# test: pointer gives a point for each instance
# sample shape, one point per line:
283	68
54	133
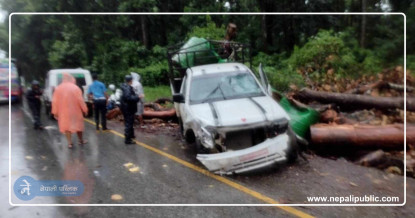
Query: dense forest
113	45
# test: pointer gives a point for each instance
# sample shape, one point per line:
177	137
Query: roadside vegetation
293	49
156	92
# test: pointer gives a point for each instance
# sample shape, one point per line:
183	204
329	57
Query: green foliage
69	52
279	74
321	52
115	45
4	37
154	74
410	63
329	50
154	93
210	31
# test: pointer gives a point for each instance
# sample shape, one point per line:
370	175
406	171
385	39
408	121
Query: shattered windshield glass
222	86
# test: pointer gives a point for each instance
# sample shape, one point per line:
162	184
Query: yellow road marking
233	184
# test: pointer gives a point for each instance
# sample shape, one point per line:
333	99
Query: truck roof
218	68
76	70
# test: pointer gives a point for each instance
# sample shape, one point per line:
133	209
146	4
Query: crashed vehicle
232	119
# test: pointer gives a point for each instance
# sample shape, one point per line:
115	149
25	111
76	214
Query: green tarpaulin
301	118
196	51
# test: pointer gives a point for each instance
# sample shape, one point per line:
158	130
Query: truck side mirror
178	98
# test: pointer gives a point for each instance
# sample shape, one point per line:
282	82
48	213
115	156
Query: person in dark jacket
129	102
33	96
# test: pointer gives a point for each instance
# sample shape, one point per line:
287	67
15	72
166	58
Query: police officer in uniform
129	102
33	99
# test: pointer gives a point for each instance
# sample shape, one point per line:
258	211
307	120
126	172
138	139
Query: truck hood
241	111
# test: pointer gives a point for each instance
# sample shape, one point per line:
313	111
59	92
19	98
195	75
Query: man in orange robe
69	108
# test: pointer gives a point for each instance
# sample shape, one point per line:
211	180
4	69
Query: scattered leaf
129	165
116	197
134	169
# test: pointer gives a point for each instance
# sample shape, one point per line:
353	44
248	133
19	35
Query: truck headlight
207	137
278	127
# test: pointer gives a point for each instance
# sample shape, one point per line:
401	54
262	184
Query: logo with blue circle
26	188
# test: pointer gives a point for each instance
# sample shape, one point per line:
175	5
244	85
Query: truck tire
90	110
200	149
181	126
48	111
292	154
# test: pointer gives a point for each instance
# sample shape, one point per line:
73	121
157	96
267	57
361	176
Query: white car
232	119
54	78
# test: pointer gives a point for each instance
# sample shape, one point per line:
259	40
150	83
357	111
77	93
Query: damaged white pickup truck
232	119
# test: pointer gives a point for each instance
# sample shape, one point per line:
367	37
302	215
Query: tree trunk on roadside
355	102
144	32
363	26
264	33
364	136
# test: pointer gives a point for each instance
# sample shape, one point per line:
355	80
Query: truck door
264	80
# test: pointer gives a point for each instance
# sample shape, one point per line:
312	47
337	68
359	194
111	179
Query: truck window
79	77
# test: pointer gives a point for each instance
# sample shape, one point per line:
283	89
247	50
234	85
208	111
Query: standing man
128	108
33	99
98	93
138	89
69	108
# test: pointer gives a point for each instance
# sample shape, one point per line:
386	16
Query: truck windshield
79	77
223	86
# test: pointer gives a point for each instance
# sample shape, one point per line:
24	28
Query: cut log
373	159
354	102
154	106
365	88
159	114
113	113
364	136
163	100
400	87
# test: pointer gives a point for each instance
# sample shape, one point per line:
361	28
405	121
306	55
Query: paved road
167	172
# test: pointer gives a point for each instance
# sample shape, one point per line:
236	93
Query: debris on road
363	119
132	167
116	197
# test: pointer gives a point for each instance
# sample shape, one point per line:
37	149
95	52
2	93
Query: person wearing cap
33	96
129	102
98	92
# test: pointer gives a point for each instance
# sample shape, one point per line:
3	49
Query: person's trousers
129	126
36	116
100	109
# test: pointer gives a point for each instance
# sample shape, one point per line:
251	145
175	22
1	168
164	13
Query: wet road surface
162	169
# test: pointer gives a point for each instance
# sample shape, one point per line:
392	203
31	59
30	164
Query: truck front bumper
270	151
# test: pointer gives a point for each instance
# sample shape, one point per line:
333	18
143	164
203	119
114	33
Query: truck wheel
181	126
200	149
292	153
90	113
48	112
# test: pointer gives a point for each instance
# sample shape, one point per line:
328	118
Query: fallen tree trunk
365	88
159	114
113	113
163	100
365	136
154	106
400	87
352	101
